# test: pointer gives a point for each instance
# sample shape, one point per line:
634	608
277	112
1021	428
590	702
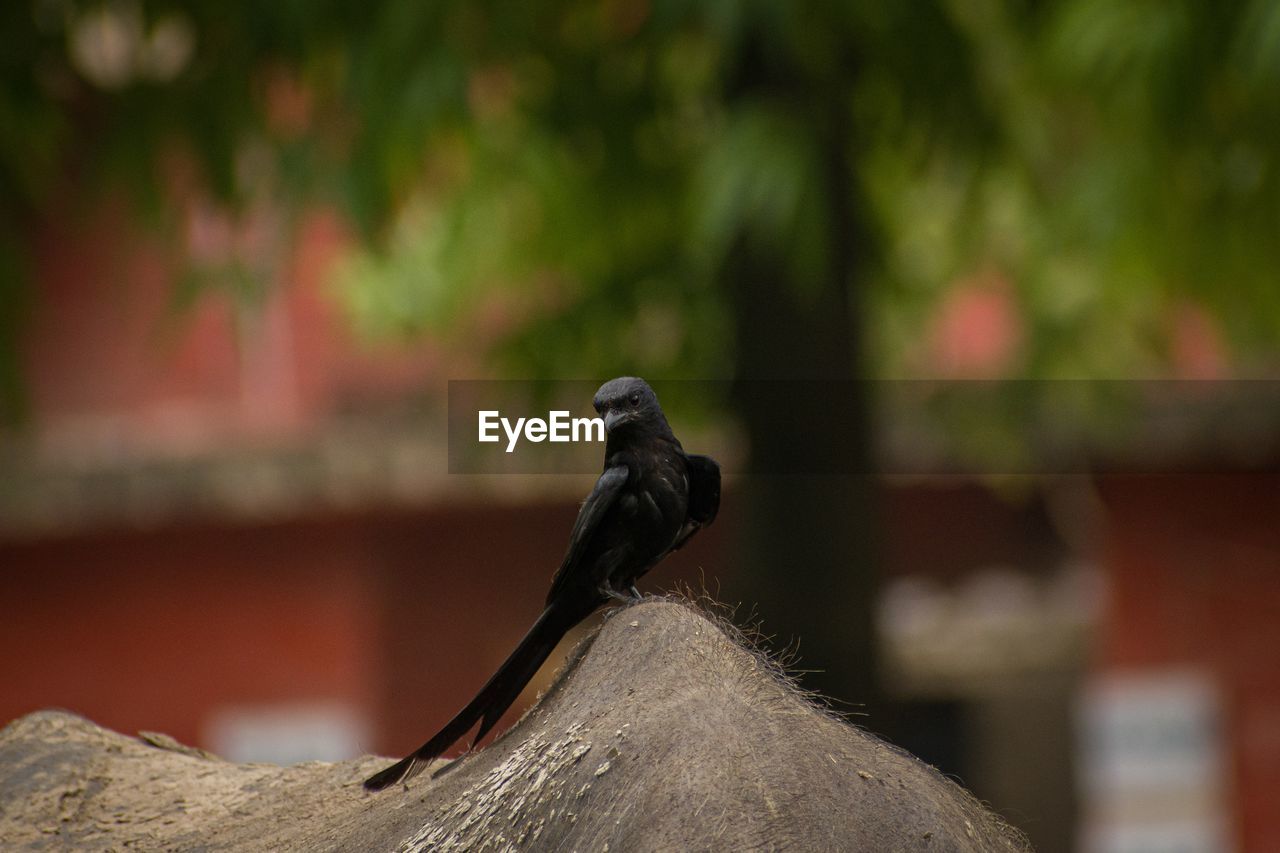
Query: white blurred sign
1152	764
286	734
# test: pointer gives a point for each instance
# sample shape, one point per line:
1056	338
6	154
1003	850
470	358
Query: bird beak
612	418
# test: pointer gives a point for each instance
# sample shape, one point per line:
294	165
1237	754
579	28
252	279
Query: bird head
627	400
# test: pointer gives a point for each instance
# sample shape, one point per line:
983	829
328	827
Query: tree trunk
808	554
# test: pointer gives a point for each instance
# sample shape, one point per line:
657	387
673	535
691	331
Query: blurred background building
986	289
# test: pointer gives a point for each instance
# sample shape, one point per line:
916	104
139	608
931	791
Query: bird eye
635	399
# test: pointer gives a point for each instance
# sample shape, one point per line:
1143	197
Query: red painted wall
114	361
401	614
150	630
1194	564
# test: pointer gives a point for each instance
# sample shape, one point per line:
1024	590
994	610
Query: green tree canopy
588	162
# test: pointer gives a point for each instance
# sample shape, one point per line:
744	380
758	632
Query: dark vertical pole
807	549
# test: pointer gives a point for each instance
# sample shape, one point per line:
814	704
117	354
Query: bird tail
493	699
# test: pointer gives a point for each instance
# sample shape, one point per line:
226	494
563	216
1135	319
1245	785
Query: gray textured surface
664	734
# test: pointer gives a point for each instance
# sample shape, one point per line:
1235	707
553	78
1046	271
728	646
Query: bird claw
631	596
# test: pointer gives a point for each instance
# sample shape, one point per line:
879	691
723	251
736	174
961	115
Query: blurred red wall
1194	567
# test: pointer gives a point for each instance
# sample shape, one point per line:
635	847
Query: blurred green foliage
1135	167
567	177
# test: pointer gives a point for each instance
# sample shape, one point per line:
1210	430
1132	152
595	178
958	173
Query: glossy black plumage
650	498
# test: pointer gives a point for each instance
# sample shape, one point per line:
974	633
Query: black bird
651	497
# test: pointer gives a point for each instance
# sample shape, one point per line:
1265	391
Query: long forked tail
493	699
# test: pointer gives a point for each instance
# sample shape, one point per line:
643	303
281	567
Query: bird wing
603	496
704	496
